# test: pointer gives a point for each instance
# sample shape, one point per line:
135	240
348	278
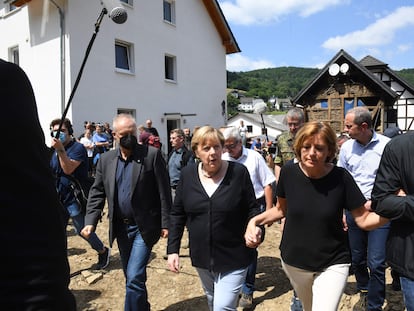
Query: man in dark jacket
393	198
133	180
179	156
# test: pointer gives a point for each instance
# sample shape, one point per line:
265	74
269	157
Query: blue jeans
222	289
134	258
368	251
78	220
407	287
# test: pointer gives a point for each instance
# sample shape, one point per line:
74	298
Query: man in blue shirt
361	156
70	159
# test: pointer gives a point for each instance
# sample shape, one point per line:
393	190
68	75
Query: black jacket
216	224
395	172
151	199
35	274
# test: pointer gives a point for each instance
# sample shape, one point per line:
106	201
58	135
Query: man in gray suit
134	180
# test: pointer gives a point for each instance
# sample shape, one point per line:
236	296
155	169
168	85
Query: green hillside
282	82
407	75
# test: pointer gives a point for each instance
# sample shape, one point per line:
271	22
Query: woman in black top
215	199
312	194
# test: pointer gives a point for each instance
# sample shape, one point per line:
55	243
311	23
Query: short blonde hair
313	128
205	133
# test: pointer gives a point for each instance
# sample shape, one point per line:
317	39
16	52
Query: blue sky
308	33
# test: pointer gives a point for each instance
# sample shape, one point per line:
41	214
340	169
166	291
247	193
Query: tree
232	103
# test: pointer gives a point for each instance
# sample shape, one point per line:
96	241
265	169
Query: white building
167	62
274	124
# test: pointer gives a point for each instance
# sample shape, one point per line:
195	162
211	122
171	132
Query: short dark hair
66	123
312	128
177	131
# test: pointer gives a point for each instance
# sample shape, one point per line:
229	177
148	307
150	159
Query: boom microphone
259	108
115	11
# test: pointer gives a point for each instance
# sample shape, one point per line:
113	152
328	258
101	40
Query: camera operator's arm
67	164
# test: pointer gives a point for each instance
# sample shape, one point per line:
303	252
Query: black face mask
128	142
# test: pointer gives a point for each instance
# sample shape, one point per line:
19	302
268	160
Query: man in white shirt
361	156
262	179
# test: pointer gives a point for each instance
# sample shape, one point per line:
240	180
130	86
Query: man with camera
70	162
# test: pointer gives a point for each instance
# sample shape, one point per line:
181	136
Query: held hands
174	262
253	235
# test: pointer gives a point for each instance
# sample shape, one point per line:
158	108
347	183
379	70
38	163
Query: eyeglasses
232	146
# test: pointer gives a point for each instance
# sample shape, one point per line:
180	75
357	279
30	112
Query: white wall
272	133
194	40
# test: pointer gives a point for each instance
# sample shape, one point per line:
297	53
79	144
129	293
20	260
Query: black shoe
395	285
361	304
103	259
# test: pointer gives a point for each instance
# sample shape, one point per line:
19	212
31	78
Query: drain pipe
62	55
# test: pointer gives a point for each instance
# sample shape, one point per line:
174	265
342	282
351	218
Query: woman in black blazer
214	199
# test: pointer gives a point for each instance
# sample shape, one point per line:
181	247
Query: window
169	11
132	112
12	7
14	55
123	56
130	2
170	68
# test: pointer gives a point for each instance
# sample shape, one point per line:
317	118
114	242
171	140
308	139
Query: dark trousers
368	260
248	285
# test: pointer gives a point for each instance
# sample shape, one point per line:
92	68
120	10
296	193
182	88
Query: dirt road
104	290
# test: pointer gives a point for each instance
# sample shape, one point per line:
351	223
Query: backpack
154	141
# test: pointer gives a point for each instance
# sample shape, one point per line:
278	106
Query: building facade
166	62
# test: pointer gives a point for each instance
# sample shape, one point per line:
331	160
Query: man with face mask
133	180
70	159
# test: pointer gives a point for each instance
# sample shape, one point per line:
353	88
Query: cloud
380	33
237	62
250	12
404	47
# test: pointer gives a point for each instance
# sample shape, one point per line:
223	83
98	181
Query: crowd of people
354	211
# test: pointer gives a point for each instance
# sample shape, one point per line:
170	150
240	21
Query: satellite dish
334	69
344	68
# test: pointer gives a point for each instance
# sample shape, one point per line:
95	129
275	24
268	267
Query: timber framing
369	83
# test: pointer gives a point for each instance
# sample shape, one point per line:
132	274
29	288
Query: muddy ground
104	289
